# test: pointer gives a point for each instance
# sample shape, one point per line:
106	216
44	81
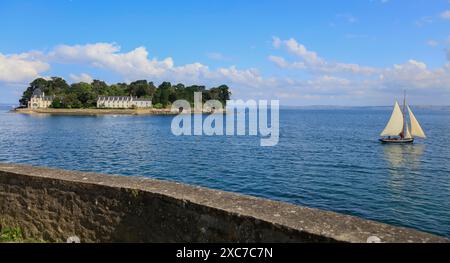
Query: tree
71	101
141	89
119	89
55	86
157	96
224	93
165	92
57	102
84	95
38	83
100	87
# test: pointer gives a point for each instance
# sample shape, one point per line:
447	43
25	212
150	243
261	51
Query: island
141	97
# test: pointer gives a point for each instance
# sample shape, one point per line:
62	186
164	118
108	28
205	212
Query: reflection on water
405	155
321	160
404	162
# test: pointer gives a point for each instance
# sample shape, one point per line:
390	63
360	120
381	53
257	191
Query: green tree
221	93
57	102
71	101
141	89
119	89
55	86
100	88
79	95
164	93
84	94
38	83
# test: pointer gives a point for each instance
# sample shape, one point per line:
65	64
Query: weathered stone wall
55	204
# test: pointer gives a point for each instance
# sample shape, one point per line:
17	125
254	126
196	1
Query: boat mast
402	135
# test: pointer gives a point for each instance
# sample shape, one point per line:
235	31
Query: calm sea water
327	159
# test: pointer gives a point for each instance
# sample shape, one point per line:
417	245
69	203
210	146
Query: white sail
408	133
416	130
395	124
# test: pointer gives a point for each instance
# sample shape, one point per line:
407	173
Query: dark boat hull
396	141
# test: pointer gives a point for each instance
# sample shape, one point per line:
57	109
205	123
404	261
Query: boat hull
397	141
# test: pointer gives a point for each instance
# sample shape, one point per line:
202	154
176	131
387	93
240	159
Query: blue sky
360	52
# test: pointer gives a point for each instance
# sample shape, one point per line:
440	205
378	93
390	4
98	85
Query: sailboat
397	130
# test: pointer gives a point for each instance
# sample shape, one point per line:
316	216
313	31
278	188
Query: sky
349	52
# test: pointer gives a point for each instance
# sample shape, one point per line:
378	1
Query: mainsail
408	133
395	124
416	130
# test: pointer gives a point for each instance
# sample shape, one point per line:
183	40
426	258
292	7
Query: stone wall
53	205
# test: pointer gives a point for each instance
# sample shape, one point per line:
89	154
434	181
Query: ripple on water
321	161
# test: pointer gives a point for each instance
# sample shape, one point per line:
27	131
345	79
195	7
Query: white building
39	100
122	102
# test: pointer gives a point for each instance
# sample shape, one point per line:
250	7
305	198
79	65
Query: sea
328	158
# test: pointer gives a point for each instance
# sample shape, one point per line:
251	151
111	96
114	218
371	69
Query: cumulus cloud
300	50
311	61
83	77
133	64
136	64
416	74
282	63
323	79
19	68
347	79
129	65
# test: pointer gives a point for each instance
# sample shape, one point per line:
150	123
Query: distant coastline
339	107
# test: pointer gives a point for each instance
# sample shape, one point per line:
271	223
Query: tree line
84	95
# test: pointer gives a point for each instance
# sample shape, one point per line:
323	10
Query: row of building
40	101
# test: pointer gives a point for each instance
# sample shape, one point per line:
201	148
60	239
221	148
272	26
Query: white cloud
313	62
324	79
136	64
133	64
20	68
347	79
416	74
300	50
83	77
446	15
282	63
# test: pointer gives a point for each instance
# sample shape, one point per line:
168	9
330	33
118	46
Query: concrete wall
55	204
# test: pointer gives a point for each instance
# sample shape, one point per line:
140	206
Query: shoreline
93	112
